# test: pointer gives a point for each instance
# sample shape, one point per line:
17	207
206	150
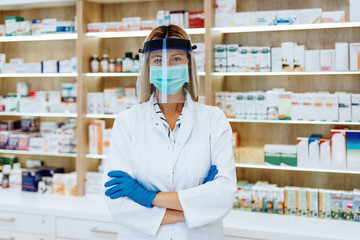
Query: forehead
168	52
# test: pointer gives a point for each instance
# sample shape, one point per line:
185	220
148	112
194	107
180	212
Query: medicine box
347	201
49	66
272	154
220	51
314	151
353	150
355	107
96	27
338	149
309	16
286	17
356	206
95	136
36	27
220	64
319	106
296	110
232	58
327	60
196	19
287	49
342	56
64	26
276	63
261	111
312	61
11	25
240	105
335	204
325	153
266	18
302	148
243	19
265	59
354	49
95	103
332	107
278	193
2	30
68	92
2	62
23	28
284	105
93	183
244	59
300	202
344	106
106	136
220	100
324	204
312	198
230	105
299	58
10	125
255	59
48	25
225	6
112	26
272	104
354	11
131	24
148	24
250	104
308	107
289	198
333	17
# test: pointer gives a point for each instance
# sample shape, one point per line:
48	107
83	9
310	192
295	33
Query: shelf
107	116
143	33
73	155
30	75
284	73
301	169
95	156
43	37
254	225
122	74
22	4
285	27
234	120
25	114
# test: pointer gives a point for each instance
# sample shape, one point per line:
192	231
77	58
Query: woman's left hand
122	185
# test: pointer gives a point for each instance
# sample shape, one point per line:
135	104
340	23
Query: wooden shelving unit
254	133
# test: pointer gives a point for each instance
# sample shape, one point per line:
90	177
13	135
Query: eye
157	60
177	59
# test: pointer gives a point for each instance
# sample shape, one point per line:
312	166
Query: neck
174	103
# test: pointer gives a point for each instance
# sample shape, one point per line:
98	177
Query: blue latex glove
212	173
122	185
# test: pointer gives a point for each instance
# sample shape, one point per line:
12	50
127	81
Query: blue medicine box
31	177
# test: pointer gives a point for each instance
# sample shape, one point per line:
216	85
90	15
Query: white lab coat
141	147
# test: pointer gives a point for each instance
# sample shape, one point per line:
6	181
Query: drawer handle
96	230
7	220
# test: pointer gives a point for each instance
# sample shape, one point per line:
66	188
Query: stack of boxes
99	137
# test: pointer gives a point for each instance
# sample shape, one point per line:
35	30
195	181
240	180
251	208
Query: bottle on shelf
119	65
94	64
136	63
104	63
5	183
111	65
128	62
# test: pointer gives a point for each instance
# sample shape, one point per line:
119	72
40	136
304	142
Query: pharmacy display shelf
285	27
105	116
31	75
253	225
54	154
142	33
22	4
240	74
300	169
122	74
234	120
95	156
43	37
25	114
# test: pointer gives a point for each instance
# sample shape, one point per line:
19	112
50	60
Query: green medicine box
11	25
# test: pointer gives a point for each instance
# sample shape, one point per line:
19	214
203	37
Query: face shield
165	68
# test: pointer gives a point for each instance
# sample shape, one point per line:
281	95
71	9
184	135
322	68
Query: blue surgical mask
169	79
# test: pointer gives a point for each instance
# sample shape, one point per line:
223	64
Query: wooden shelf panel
234	120
43	37
229	74
106	116
285	27
131	74
31	75
25	114
72	155
23	4
95	156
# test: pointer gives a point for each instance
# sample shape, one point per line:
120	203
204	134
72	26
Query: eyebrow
170	55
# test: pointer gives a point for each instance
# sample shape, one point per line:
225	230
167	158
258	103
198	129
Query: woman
170	172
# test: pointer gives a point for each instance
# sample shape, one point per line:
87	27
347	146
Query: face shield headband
167	43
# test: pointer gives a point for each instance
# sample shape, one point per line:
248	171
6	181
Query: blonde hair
146	89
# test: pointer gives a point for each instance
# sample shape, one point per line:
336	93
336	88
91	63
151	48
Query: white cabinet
85	230
27	223
7	235
238	238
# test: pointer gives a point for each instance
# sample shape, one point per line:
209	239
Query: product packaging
68	92
220	100
278	194
261	111
312	61
288	155
312	199
276	63
286	17
314	151
11	25
36	27
232	58
2	30
243	19
335	204
148	24
49	66
355	107
287	49
272	104
296	110
250	104
179	18
110	94
240	105
272	154
64	26
96	27
244	59
299	58
300	202
342	56
344	106
356	206
95	136
266	18
319	106
325	153
70	184
302	151
324	204
327	60
338	149
220	58
106	136
196	19
309	16
354	49
23	28
199	55
131	24
2	62
37	144
265	59
333	17
284	105
347	201
58	185
230	105
95	103
353	150
255	59
331	107
354	13
48	25
93	183
10	125
289	199
309	107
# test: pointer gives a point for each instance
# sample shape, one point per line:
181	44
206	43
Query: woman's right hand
212	173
